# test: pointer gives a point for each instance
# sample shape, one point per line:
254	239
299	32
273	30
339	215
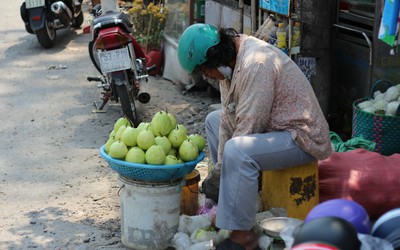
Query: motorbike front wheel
46	36
128	105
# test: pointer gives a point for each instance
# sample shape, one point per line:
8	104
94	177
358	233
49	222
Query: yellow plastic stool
295	189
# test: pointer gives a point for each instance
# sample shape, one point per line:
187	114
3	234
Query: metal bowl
273	226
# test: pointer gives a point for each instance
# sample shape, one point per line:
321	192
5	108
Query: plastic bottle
281	36
272	34
266	30
262	31
296	34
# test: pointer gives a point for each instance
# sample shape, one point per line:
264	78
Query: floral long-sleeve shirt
268	92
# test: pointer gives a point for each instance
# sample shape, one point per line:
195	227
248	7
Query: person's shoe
210	185
210	188
228	244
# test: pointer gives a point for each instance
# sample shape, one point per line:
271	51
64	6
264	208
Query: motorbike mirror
96	10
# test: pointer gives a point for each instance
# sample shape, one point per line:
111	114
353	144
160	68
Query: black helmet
334	231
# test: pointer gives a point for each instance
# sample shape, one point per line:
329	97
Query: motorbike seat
106	19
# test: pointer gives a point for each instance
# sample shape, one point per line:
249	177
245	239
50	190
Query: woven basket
151	173
384	130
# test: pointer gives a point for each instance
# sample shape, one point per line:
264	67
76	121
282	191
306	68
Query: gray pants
243	158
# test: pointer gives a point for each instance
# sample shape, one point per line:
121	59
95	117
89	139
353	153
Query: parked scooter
120	60
44	17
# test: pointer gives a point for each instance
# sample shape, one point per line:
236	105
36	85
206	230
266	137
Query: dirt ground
56	191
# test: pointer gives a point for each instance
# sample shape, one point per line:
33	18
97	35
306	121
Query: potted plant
148	28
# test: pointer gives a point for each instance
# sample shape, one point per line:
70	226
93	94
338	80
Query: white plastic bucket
149	213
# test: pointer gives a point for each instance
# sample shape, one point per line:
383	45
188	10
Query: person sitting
270	120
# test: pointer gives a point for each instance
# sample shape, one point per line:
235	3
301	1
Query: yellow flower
148	23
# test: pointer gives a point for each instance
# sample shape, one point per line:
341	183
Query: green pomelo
188	151
155	155
173	120
136	155
177	136
119	132
129	136
171	160
121	121
145	139
108	144
173	152
118	150
161	123
198	140
164	142
112	134
182	127
142	126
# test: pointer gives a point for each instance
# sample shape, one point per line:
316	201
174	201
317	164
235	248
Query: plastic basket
384	130
151	173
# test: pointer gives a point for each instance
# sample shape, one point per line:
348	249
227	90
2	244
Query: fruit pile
159	142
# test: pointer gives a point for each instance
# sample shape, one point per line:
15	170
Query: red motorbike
120	60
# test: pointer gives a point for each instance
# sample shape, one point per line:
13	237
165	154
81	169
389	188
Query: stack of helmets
326	233
348	210
388	227
333	224
313	246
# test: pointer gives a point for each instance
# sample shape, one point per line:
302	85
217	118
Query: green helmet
194	43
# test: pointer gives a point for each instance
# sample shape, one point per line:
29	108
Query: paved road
55	190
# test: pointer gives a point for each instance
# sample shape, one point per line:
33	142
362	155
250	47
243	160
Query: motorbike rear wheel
92	52
128	105
46	36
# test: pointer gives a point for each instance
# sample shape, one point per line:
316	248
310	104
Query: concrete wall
225	16
317	18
